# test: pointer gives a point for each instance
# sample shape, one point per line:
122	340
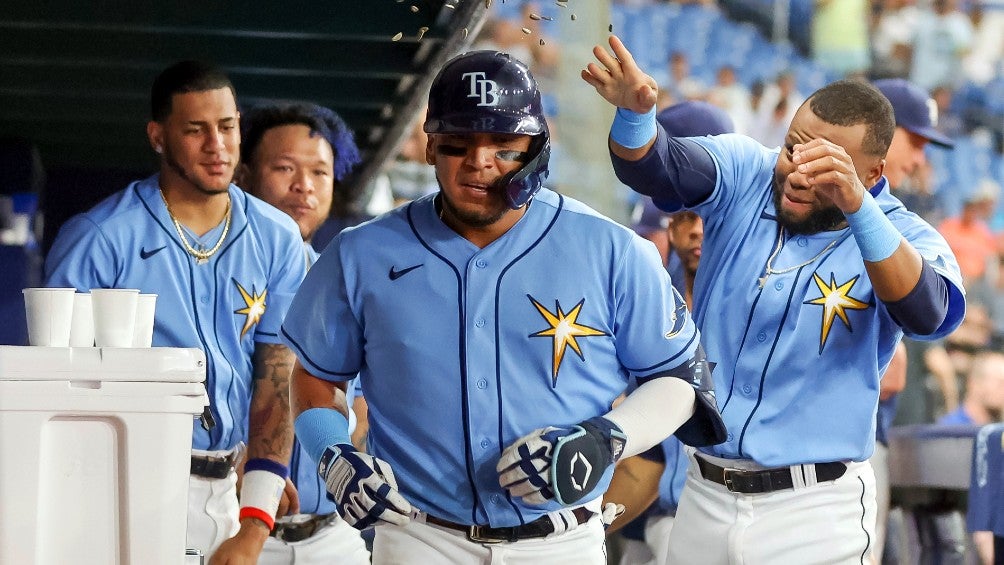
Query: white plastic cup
82	326
114	312
146	307
50	313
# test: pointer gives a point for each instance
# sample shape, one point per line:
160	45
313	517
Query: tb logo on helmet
486	90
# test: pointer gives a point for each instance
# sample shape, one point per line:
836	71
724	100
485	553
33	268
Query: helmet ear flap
523	184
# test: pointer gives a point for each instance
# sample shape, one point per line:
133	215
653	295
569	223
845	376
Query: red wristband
258	513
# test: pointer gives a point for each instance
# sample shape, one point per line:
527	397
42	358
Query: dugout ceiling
75	75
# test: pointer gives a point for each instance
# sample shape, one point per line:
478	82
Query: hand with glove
562	464
362	487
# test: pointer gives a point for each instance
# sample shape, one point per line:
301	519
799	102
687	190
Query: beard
819	220
474	219
181	172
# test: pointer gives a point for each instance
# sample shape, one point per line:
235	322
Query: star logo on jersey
836	301
563	329
254	306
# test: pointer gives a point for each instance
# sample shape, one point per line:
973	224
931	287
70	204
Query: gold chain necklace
768	270
201	257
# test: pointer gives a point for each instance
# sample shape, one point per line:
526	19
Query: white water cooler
95	447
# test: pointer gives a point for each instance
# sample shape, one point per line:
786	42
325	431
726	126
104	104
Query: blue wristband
261	464
318	428
631	129
877	238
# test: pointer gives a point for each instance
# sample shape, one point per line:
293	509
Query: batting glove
562	464
362	487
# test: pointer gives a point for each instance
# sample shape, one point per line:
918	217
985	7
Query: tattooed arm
270	433
270	436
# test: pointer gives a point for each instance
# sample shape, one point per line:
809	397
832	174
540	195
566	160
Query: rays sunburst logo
564	331
836	300
254	306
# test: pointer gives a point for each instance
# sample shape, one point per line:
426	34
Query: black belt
218	466
541	527
299	531
764	480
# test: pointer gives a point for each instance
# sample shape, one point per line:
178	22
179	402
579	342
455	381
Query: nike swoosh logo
144	254
394	275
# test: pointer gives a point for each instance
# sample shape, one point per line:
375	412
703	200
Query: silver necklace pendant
202	260
763	280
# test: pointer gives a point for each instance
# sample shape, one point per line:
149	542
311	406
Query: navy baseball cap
695	118
647	218
915	110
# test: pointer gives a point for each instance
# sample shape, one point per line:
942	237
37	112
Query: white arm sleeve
653	412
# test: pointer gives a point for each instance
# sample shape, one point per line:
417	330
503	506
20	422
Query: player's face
800	207
200	140
686	233
294	171
467	168
905	156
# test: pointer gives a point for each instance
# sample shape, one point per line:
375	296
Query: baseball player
649	484
492	325
292	157
224	266
915	114
811	272
985	516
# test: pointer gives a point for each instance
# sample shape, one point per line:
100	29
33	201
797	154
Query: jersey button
496	499
802	241
761	337
747	389
205	299
480	322
482	384
481	263
485	444
779	285
730	437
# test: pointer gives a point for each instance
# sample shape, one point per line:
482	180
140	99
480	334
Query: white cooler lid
152	364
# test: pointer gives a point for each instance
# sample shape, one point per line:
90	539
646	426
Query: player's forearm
308	391
675	171
653	412
921	302
270	426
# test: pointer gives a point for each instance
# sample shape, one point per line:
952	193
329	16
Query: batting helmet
491	92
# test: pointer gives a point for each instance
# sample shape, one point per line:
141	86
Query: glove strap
607	434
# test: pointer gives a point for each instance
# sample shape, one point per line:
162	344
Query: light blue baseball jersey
223	307
302	469
798	361
986	488
461	351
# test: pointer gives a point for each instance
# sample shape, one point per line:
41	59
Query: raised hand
827	167
619	80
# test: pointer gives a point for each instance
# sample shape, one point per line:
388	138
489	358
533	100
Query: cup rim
127	290
46	289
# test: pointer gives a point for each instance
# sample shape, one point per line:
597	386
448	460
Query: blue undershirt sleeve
922	311
676	172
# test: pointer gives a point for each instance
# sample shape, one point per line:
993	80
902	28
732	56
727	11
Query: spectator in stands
891	37
943	37
730	95
682	85
968	234
775	110
984	399
840	36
